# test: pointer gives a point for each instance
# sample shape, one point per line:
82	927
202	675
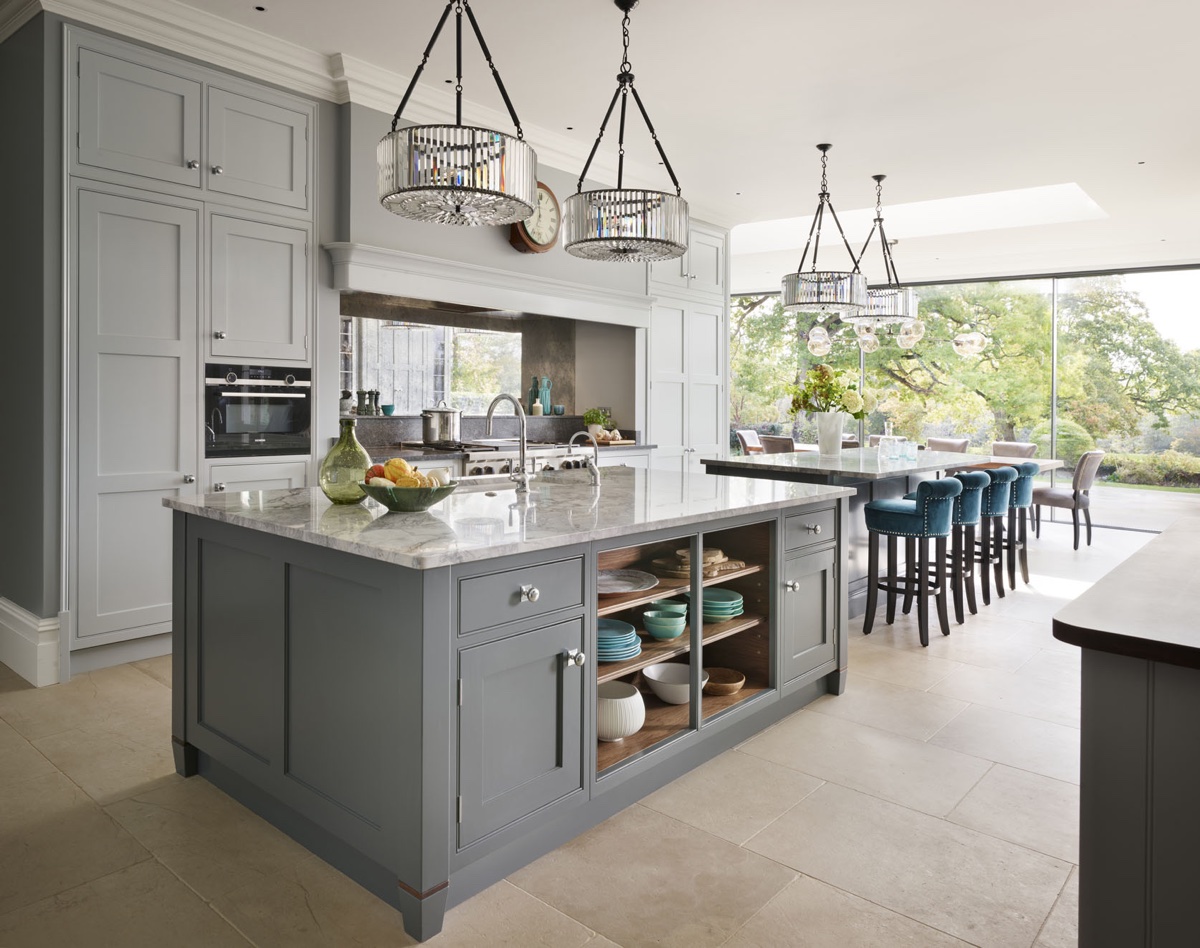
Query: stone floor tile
641	878
310	904
21	761
732	796
1055	667
1014	739
984	641
1039	813
985	891
810	913
7	673
1055	701
158	668
504	916
10	740
918	670
54	837
927	778
895	708
599	941
141	905
213	843
1062	927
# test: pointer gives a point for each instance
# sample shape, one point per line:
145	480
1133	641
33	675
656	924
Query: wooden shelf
665	720
666	589
659	650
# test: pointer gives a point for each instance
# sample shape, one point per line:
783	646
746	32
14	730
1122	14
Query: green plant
595	416
825	390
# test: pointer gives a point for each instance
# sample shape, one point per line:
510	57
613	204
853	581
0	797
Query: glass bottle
344	466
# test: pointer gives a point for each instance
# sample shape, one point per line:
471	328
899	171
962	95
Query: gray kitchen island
414	696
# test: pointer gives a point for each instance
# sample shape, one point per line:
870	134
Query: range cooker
491	456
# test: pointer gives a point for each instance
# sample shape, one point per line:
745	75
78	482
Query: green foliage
1073	440
484	363
1171	468
824	390
594	416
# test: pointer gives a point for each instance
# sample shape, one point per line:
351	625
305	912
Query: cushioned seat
1075	498
1014	449
927	517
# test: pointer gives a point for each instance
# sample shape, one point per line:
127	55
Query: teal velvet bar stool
993	510
1020	499
926	518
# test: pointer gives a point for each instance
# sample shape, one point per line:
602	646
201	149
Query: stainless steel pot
440	424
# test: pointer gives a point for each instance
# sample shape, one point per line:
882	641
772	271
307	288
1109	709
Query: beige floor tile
1041	634
599	941
984	641
895	708
918	670
1014	739
930	779
1056	667
20	762
141	905
116	760
641	878
98	698
815	915
311	904
10	740
505	916
1039	813
6	672
52	838
214	844
1062	927
986	891
1055	701
732	796
158	668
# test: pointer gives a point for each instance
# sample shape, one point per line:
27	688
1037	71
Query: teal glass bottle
344	466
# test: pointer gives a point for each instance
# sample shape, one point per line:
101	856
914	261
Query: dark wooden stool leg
872	580
1011	548
1037	521
939	576
910	566
923	590
969	568
997	555
984	562
1023	545
956	572
891	580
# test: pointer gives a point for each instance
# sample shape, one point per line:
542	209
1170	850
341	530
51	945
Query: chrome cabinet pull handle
574	657
791	585
530	594
189	478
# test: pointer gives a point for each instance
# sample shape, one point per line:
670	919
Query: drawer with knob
494	599
810	528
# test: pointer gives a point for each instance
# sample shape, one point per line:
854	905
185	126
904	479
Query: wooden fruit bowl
724	681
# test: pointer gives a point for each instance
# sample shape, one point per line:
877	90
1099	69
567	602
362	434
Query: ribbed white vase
829	432
620	710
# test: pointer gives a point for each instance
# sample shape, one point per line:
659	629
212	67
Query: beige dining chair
955	445
1075	498
1014	449
873	440
776	444
748	439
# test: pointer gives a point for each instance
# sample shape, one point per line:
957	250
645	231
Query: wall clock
538	232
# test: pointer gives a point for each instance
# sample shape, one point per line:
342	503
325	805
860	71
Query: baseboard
29	644
119	653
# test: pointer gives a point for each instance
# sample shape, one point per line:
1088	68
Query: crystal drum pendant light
624	224
825	292
891	303
457	174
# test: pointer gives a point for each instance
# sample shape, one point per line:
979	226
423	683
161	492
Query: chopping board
622	441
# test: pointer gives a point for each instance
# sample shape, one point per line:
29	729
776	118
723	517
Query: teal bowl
663	625
670	606
407	499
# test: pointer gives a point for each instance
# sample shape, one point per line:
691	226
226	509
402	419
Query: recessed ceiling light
1141	162
261	9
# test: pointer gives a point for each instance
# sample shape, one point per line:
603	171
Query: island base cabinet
520	727
808	636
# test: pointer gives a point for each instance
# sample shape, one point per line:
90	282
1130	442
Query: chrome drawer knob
193	164
813	527
217	169
574	657
530	594
792	585
219	334
189	478
218	486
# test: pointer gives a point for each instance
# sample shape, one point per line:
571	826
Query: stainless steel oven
256	410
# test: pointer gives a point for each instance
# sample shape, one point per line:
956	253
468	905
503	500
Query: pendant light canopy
625	224
891	303
825	292
457	174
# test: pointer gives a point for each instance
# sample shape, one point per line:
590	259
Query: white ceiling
948	98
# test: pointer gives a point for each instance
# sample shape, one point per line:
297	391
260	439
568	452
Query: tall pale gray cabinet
189	222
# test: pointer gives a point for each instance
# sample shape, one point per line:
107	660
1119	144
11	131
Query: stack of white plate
616	641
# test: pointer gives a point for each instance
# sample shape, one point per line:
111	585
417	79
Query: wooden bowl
724	681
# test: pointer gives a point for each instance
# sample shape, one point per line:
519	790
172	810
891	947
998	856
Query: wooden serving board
622	441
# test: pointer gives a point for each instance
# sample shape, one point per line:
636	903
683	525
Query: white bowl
671	681
620	710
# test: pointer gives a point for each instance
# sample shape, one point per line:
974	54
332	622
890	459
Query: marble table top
477	523
852	464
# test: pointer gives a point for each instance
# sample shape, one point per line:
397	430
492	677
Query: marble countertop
1145	608
852	464
477	524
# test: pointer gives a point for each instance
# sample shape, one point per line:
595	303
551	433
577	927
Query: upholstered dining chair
1014	449
1074	499
777	444
748	439
873	440
956	445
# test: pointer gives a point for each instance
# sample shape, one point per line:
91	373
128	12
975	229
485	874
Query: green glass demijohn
344	467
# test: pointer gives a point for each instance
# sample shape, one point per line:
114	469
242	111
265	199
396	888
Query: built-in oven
256	410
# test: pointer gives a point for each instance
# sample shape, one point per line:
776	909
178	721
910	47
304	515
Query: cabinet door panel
259	290
519	742
809	635
138	120
706	261
261	149
135	304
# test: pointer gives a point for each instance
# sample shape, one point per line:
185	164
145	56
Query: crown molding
14	14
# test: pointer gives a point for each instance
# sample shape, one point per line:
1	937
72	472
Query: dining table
873	478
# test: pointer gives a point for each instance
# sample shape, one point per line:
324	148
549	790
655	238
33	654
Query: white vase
594	431
620	710
829	432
